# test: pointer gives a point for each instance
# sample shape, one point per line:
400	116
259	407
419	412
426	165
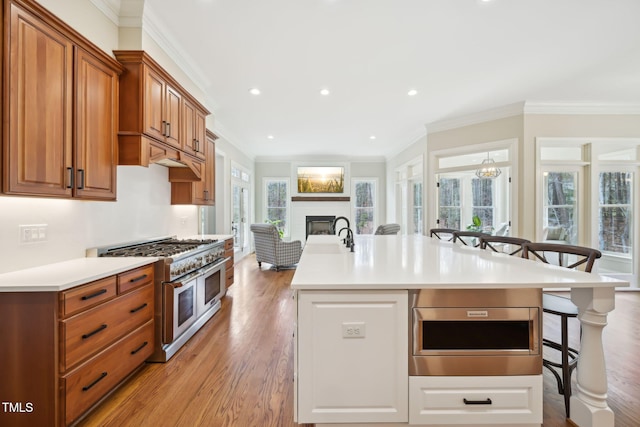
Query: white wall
142	210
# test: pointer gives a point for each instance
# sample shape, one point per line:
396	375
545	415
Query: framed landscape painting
321	179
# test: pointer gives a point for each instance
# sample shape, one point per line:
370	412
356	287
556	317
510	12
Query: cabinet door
154	123
40	68
203	189
96	139
352	354
188	127
172	117
200	134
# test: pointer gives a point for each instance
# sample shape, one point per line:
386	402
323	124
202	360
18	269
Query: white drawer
475	400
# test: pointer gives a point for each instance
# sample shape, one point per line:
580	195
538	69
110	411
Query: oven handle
213	267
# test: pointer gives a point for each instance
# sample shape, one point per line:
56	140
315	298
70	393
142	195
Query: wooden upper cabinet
199	192
194	130
96	148
159	119
62	110
38	153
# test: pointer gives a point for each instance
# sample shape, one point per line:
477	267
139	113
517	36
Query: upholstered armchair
270	248
388	229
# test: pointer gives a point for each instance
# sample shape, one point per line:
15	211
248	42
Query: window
365	206
277	203
449	202
417	207
560	206
615	212
482	197
465	196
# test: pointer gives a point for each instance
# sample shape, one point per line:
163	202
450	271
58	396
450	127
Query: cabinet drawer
228	245
89	332
86	296
88	383
228	265
475	400
229	277
135	278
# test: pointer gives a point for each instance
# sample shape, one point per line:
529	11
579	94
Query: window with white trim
365	205
276	204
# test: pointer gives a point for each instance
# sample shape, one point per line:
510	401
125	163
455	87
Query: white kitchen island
352	332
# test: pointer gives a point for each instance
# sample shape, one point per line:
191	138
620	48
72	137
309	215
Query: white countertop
67	274
414	262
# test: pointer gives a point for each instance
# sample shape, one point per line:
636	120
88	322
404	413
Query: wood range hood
140	150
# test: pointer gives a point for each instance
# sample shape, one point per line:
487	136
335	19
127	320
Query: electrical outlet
353	329
183	221
33	233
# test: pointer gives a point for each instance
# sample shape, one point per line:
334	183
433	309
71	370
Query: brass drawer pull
477	402
101	328
138	308
87	387
93	295
144	344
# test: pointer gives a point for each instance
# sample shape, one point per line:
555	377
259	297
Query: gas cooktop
158	248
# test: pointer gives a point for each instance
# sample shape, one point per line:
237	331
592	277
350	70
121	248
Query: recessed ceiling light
269	136
254	91
324	92
372	137
412	92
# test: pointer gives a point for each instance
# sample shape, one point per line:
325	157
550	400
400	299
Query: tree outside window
365	202
482	201
561	204
417	207
615	212
449	203
277	192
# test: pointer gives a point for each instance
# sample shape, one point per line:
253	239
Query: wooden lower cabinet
65	351
87	384
229	266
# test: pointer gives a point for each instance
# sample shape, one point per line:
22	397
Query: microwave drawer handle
487	401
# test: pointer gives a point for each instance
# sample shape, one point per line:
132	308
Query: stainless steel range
189	283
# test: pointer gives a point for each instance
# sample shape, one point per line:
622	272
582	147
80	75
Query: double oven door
189	297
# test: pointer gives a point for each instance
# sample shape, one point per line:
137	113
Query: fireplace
319	225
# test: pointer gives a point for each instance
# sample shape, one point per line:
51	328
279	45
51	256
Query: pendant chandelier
488	169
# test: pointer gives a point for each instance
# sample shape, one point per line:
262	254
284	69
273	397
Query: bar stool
468	238
501	242
442	233
563	307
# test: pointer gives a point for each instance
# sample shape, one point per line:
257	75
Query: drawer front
89	332
86	296
133	279
86	385
475	400
228	278
228	245
228	265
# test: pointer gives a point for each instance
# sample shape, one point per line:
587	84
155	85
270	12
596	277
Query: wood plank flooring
238	370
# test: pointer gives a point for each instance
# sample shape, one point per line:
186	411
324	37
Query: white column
589	401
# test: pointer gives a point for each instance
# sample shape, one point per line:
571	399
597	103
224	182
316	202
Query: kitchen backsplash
142	210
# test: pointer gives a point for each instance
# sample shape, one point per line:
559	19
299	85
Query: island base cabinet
352	359
486	400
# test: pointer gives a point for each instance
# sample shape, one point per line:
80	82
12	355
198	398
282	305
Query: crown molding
475	118
110	8
580	108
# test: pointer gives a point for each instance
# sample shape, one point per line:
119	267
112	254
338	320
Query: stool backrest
442	233
505	244
468	238
568	256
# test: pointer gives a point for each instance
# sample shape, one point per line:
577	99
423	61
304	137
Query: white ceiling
463	57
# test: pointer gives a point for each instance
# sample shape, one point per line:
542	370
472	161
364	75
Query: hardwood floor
238	370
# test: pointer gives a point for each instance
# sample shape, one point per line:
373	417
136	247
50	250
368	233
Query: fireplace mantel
320	199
